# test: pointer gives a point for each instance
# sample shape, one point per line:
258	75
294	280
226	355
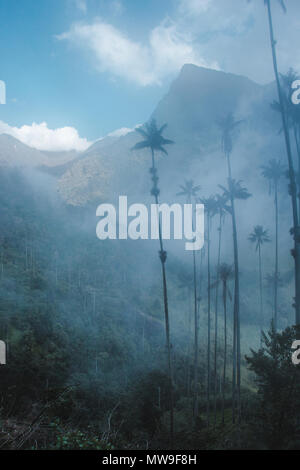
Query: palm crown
210	205
292	111
153	138
221	203
228	125
189	190
225	272
273	171
236	190
259	236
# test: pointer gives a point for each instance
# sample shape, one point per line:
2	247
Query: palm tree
190	191
225	274
154	140
221	210
235	191
259	236
273	171
186	282
228	127
272	280
210	208
292	115
293	187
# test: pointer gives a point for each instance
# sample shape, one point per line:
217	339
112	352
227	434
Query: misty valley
150	278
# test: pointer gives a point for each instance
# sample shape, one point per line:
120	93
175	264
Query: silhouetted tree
293	187
276	418
273	171
235	191
187	282
221	210
259	236
225	274
190	192
210	208
154	140
228	126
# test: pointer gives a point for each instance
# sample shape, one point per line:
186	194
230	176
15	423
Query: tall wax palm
187	282
259	236
293	117
292	113
154	140
189	190
228	127
225	274
234	192
293	187
221	211
273	172
210	208
271	279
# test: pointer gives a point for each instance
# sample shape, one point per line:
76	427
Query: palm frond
166	141
153	137
141	145
142	131
282	4
162	128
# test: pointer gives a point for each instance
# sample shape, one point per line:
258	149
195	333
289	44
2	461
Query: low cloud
165	52
39	136
121	132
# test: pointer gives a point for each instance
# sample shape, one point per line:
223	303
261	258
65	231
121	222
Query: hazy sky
80	69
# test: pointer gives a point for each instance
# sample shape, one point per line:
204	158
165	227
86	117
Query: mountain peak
200	95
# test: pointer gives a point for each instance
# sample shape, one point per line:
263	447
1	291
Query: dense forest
125	344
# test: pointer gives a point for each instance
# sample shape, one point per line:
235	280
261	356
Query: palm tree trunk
208	322
163	258
216	322
225	349
236	341
195	408
293	187
276	260
189	347
195	405
236	366
260	294
296	136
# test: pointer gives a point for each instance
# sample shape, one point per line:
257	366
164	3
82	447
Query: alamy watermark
296	94
2	353
175	221
296	354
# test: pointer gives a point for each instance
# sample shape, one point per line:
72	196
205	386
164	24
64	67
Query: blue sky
99	65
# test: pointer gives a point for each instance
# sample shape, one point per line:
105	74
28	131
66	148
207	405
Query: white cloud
166	51
235	34
120	132
231	35
41	137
